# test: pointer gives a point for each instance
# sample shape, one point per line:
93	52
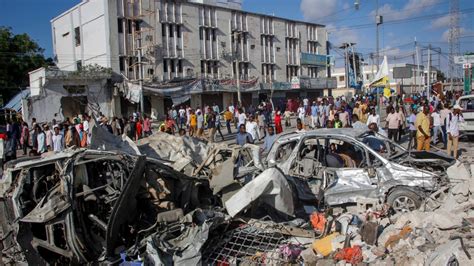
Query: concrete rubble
171	200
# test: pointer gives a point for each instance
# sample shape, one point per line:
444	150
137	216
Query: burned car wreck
83	206
349	166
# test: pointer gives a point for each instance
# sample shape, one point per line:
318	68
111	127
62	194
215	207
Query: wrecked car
347	166
83	206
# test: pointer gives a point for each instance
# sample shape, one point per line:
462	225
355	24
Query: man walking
393	122
228	115
444	113
436	125
243	137
301	113
452	128
373	118
314	115
422	125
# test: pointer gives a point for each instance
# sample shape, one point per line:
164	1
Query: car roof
471	96
343	132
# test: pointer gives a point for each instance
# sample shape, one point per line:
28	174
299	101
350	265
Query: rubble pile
171	200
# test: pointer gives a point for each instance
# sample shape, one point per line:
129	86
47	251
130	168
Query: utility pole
237	70
354	64
140	72
428	82
346	61
378	22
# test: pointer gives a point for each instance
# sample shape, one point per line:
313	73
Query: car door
350	183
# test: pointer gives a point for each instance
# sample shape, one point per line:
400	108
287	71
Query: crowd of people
424	121
72	132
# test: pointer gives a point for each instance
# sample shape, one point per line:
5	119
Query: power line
398	21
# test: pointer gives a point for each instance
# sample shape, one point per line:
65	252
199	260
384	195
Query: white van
467	127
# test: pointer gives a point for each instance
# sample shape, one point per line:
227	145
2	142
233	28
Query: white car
467	127
346	165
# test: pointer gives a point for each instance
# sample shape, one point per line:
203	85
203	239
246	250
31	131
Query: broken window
284	151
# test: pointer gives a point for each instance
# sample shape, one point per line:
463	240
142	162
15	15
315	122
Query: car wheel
403	200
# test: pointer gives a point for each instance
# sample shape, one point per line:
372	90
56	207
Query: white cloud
412	7
339	35
462	31
314	10
441	22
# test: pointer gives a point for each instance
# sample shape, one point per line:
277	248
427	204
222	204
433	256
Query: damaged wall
52	104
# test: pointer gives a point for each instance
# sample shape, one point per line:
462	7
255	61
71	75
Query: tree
19	54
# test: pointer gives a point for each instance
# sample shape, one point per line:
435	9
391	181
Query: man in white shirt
444	113
182	116
301	113
436	125
306	103
373	118
242	118
252	128
452	128
57	140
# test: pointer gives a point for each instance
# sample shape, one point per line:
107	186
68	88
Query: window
171	31
122	63
200	33
120	25
216	67
178	31
150	72
129	22
79	65
467	104
284	151
165	66
203	66
214	34
180	66
163	30
341	78
137	25
172	66
77	36
206	31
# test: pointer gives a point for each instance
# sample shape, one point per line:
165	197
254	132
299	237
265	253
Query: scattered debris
172	200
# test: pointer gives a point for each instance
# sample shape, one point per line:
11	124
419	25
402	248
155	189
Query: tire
404	200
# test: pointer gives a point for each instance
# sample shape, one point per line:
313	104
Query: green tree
19	54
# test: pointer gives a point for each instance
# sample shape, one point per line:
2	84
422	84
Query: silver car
347	165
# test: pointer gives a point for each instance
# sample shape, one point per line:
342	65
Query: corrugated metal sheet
15	102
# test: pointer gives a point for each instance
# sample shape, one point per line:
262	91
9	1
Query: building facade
162	42
416	83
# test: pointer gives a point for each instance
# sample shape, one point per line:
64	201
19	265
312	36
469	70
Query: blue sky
405	20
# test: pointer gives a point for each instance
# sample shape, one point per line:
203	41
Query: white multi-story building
194	39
